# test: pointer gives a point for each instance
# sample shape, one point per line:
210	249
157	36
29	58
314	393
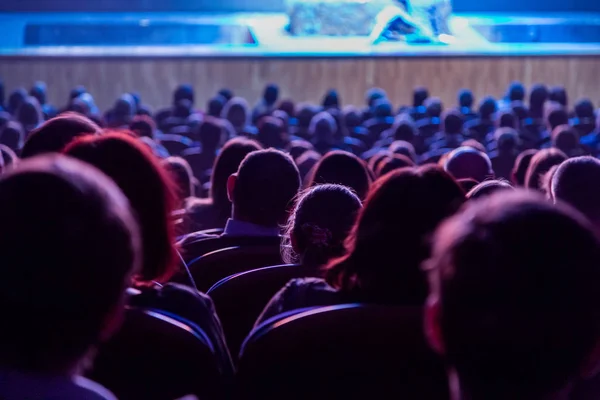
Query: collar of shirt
242	228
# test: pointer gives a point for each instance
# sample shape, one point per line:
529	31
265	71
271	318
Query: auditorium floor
249	35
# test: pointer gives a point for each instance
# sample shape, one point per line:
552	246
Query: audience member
513	304
566	139
29	114
304	116
67	262
267	103
12	136
401	211
404	148
487	188
504	157
537	101
15	100
516	92
392	163
226	93
202	158
331	100
322	130
299	147
271	133
465	104
236	112
521	166
182	176
558	94
215	106
466	162
342	168
39	91
540	164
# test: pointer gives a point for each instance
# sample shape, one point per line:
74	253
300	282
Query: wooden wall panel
302	79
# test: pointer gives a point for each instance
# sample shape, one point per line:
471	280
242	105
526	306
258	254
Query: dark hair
373	95
404	128
210	133
521	166
472	143
182	176
12	135
577	182
556	116
433	107
467	162
584	109
516	92
271	93
537	99
270	132
55	134
143	126
320	222
390	238
29	113
507	119
541	162
322	129
342	168
66	262
420	94
38	90
392	163
183	92
382	108
226	93
149	188
267	182
236	112
331	99
452	122
465	98
298	147
215	106
405	148
566	139
15	100
558	94
289	107
507	140
517	280
487	108
487	188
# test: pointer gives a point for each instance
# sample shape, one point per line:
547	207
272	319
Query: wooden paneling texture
301	79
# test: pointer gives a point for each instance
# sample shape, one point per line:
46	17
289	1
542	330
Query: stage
151	53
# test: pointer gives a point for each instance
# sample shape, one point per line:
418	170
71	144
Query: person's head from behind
420	94
215	106
210	134
319	224
342	168
556	115
516	92
541	162
15	100
382	108
374	94
404	128
39	91
66	263
566	139
331	100
150	191
226	93
577	182
270	132
507	140
558	94
537	98
123	111
263	188
433	107
404	148
143	126
487	108
184	92
183	177
507	119
12	135
584	109
322	130
236	112
487	188
465	99
390	238
55	134
228	162
271	94
514	304
299	147
30	114
289	107
452	122
521	166
393	163
467	162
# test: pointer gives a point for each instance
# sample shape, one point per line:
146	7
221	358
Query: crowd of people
486	219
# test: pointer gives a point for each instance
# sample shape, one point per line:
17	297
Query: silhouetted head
228	162
264	187
558	94
584	109
540	164
566	139
404	128
15	100
433	107
393	163
466	162
487	108
420	94
183	177
382	108
514	305
69	246
150	191
143	126
322	130
299	147
226	93
210	134
12	135
577	182
236	112
215	106
55	134
537	100
521	166
39	91
390	238
306	113
516	92
472	143
319	224
30	114
507	119
342	168
9	157
271	94
487	188
452	122
405	148
76	92
288	107
556	115
183	92
507	140
123	111
270	133
465	98
520	111
331	100
373	95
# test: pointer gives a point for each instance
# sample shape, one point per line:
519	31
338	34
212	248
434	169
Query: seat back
214	266
195	248
155	356
345	351
175	144
239	299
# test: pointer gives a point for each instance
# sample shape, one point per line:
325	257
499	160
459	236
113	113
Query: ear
231	181
432	324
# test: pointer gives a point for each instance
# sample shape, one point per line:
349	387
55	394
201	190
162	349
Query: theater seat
347	351
175	144
239	299
214	266
155	356
198	244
